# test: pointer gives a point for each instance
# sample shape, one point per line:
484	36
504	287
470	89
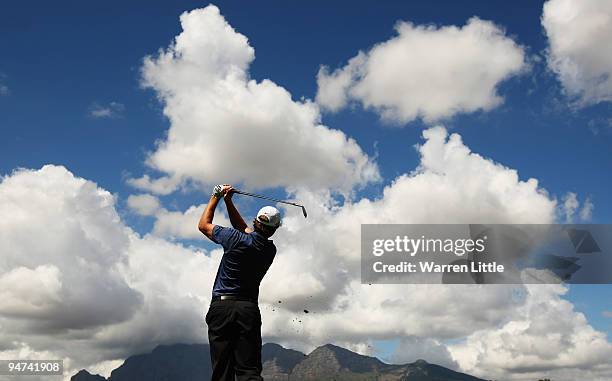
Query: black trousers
234	335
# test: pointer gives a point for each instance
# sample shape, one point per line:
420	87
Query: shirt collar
259	235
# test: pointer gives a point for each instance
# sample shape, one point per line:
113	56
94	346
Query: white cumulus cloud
426	72
172	224
225	126
29	292
571	207
177	224
415	348
65	231
579	51
586	213
545	336
143	204
77	284
451	185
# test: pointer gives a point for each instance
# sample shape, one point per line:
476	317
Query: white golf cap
269	216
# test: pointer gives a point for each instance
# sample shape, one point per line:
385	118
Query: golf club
272	199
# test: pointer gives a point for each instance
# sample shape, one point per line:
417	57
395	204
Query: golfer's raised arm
205	225
233	213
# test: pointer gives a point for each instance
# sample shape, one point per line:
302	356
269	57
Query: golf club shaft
266	197
273	199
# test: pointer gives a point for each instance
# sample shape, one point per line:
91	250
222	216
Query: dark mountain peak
343	354
272	346
328	360
270	350
177	362
422	370
84	375
331	347
278	361
273	349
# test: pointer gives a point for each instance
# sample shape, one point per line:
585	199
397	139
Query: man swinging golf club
234	320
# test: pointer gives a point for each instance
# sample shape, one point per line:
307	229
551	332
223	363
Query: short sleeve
226	237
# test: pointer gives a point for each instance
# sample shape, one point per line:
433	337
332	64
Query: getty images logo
414	246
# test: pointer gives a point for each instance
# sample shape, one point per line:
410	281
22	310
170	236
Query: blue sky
60	60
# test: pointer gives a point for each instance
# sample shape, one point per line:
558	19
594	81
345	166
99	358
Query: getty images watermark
486	254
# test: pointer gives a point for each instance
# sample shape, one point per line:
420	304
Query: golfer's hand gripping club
218	191
223	190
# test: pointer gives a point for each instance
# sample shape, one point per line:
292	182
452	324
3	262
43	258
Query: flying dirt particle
306	311
280	301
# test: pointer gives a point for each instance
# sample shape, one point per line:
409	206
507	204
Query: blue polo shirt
246	259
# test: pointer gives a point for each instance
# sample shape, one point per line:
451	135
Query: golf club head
304	212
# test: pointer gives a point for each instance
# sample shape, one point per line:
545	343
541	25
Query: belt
234	297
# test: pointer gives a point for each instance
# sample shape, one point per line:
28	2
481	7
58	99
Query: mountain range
191	362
